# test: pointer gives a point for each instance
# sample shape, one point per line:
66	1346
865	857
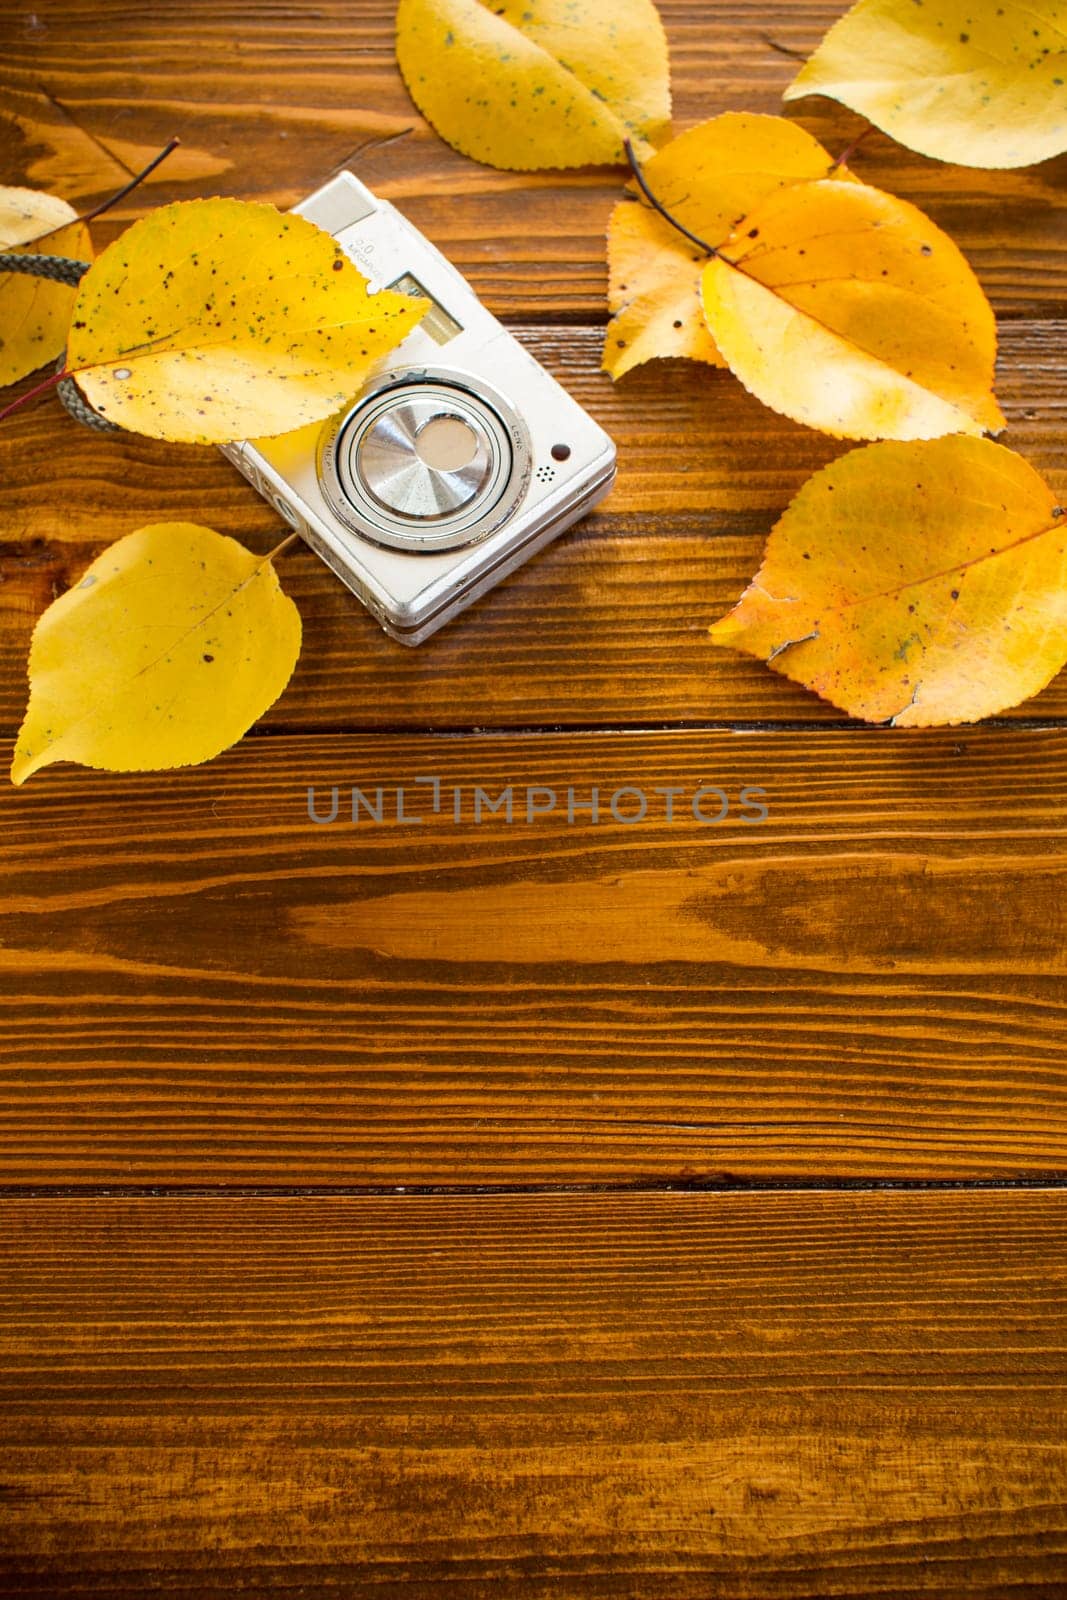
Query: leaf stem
113	200
657	205
120	194
850	149
49	383
289	539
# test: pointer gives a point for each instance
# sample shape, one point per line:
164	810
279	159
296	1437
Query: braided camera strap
60	269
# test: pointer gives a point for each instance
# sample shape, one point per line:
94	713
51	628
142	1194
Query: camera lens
425	461
422	461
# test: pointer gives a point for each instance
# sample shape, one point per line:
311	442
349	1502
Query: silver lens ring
426	459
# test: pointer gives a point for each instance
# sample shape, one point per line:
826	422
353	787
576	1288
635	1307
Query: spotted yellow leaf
211	320
847	309
707	178
165	652
914	583
968	81
35	312
537	83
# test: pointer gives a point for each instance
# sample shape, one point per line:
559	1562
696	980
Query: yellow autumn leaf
537	83
172	644
35	312
211	320
961	80
707	179
847	309
917	584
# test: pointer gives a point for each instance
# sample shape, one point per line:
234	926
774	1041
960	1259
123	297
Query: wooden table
593	1210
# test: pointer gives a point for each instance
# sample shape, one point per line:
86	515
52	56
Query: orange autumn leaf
521	84
981	84
211	320
707	179
35	312
847	309
916	583
172	643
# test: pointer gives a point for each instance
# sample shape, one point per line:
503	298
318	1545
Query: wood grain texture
269	99
534	1397
202	985
608	626
616	1395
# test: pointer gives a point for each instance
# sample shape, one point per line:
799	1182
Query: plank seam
537	730
1048	1181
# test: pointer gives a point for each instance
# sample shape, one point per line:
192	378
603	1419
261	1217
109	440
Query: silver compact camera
457	461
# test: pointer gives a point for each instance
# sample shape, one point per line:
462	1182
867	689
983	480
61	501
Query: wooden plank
607	626
202	985
772	1395
270	99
